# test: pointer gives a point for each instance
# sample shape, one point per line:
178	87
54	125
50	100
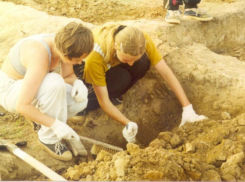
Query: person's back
14	63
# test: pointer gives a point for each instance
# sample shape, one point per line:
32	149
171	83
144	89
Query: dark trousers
118	79
174	4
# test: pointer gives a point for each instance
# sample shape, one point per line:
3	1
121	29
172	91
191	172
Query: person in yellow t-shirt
121	56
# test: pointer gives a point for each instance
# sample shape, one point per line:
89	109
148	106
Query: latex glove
189	115
63	131
130	131
79	91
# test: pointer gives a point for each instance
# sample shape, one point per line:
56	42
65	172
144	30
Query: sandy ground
207	58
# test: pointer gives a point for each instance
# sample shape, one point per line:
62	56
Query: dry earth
207	58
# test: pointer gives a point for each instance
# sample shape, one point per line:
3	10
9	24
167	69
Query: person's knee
141	67
125	80
145	63
118	79
54	81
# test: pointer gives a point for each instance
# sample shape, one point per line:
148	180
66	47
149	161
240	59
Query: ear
115	46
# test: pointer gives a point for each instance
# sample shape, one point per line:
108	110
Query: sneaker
173	16
197	14
57	151
79	118
117	101
165	4
36	126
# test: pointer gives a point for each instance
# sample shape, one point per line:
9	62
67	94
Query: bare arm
172	82
67	73
107	106
37	66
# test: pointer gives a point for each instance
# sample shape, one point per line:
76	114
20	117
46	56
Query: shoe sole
197	18
77	119
50	152
172	21
165	4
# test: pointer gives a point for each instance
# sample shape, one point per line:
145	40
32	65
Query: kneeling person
29	86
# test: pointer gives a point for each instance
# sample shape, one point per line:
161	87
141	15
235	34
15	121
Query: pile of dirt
204	151
206	57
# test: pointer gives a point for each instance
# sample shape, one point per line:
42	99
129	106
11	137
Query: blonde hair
129	40
74	40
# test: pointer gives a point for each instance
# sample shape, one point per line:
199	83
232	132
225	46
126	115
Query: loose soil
206	57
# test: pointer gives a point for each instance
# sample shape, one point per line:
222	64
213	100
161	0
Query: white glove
79	91
189	115
130	131
62	130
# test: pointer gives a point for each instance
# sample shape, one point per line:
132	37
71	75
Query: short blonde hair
74	40
129	40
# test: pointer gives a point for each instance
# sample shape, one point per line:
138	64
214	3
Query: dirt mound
204	151
207	58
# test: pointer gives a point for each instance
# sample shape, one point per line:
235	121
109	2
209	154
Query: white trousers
53	98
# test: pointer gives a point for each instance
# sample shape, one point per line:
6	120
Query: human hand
189	115
130	131
79	91
63	131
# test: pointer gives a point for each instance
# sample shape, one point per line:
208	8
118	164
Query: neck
54	51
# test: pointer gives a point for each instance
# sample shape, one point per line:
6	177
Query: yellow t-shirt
96	68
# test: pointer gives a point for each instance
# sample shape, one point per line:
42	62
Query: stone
226	115
189	147
153	175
